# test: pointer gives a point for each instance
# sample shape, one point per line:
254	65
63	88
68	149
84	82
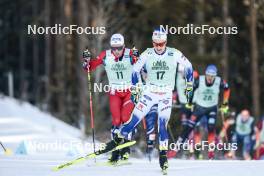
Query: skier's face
117	50
245	115
159	46
210	79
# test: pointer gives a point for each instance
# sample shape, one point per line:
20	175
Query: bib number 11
119	75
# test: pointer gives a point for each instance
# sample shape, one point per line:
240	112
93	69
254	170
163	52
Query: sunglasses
210	76
159	44
119	48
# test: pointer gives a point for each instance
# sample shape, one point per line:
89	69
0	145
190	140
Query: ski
122	163
115	164
93	155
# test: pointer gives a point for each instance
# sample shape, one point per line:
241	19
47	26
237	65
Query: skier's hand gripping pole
189	94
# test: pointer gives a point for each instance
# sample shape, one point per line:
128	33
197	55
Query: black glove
135	94
189	92
86	59
135	52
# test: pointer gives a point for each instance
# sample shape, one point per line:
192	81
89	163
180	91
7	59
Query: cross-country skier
118	63
160	63
244	133
207	89
259	154
185	110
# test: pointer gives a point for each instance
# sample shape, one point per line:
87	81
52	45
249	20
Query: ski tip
55	169
133	142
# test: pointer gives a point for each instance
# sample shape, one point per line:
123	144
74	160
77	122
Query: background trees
47	68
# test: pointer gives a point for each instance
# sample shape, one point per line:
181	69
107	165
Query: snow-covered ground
24	125
49	142
36	166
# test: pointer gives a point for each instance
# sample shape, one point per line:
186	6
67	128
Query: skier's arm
226	94
188	69
137	68
188	74
195	86
195	83
252	127
94	63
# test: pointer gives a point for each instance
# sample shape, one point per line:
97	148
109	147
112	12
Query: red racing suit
121	105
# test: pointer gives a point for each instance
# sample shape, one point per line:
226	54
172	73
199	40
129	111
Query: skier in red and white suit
118	63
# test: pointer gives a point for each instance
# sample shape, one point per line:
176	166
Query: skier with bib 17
160	63
118	63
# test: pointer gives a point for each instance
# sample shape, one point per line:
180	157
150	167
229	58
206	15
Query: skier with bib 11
118	63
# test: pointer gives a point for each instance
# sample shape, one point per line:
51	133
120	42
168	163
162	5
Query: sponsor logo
140	107
160	65
118	67
116	39
166	101
170	53
147	97
166	107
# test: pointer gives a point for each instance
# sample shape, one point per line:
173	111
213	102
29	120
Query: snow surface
22	122
33	166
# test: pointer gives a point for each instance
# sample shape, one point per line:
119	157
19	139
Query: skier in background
244	133
207	89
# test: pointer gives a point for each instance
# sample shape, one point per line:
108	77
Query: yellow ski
92	155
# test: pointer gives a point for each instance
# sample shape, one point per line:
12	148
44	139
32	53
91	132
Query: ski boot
113	159
163	161
117	139
124	153
150	148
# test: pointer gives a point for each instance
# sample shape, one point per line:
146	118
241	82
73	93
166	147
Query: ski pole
91	108
7	150
171	134
3	146
171	153
146	131
88	55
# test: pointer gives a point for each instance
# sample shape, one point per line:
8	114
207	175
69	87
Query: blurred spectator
244	134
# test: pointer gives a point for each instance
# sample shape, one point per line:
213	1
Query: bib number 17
160	75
